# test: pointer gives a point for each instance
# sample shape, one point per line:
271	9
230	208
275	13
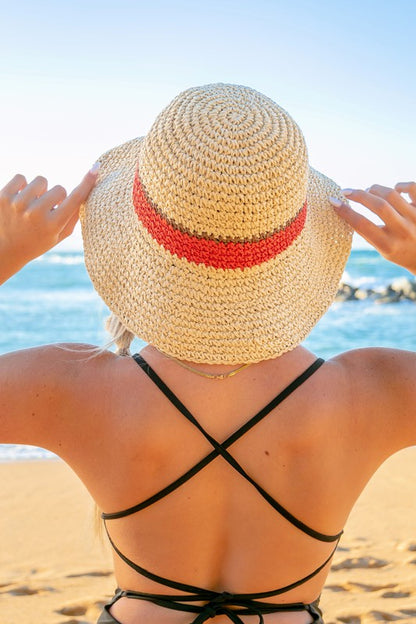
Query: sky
81	76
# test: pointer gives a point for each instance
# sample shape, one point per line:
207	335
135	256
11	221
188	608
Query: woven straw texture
211	238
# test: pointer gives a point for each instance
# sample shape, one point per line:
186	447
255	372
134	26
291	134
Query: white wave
55	258
366	281
18	452
57	297
388	309
373	259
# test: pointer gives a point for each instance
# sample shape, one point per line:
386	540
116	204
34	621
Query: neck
209	371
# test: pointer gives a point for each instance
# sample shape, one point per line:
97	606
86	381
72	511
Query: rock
361	294
389	298
404	286
345	292
387	295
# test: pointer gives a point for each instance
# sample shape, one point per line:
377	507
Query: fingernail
347	192
335	202
95	168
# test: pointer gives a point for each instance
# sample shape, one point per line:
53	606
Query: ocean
52	300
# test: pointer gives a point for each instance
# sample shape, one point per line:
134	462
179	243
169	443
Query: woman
209	452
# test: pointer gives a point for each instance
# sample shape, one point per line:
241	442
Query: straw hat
211	238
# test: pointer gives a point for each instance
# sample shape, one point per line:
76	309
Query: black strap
220	449
198	591
216	603
224	603
220	605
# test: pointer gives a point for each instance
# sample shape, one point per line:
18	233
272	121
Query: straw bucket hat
211	238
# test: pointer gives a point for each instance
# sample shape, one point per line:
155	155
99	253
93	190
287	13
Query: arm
35	394
34	219
384	380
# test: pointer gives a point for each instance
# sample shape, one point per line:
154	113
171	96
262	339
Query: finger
393	197
71	205
407	187
363	226
69	227
377	205
32	191
49	200
15	185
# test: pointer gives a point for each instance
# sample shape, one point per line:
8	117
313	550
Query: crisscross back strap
221	449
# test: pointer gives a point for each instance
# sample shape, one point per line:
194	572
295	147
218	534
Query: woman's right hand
395	239
34	219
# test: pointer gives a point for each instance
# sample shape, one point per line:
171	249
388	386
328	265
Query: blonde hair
120	335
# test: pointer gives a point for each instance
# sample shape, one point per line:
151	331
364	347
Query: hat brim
199	313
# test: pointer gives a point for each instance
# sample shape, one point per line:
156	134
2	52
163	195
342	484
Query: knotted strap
224	603
216	603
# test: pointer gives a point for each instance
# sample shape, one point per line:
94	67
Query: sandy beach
54	569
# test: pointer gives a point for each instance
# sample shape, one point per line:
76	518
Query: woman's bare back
313	453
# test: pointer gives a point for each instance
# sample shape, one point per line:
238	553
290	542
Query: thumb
78	196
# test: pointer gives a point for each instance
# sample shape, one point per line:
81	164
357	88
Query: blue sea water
52	300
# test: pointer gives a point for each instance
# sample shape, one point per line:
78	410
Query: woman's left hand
34	219
395	239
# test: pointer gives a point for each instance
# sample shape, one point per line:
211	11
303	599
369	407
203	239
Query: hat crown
225	162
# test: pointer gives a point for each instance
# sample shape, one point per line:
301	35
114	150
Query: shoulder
79	368
54	362
53	375
43	387
71	355
381	389
376	365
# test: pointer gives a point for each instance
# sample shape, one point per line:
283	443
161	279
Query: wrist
10	262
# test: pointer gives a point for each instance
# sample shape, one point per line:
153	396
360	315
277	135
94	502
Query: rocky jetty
401	289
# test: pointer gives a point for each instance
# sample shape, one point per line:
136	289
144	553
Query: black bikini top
218	603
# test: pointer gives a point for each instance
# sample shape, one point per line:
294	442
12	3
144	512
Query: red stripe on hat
216	254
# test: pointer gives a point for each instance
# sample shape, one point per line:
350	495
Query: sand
55	570
53	567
